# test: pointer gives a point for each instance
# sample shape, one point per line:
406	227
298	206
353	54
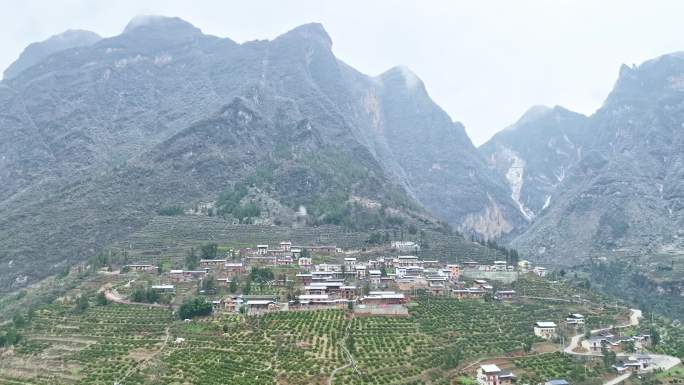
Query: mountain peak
401	73
71	34
532	114
311	31
158	23
35	52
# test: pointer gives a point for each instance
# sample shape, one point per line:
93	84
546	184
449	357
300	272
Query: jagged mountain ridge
97	137
622	190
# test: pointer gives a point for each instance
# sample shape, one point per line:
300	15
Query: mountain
37	52
98	138
442	168
535	153
619	174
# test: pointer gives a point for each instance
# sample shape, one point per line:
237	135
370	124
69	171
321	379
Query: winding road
634	316
658	361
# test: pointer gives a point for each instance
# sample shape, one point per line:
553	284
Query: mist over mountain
97	136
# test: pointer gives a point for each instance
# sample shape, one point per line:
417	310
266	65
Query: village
289	278
219	314
292	278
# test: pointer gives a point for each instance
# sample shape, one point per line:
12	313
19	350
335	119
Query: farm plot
440	336
135	344
592	305
98	346
290	347
670	335
387	351
168	238
544	367
478	329
534	286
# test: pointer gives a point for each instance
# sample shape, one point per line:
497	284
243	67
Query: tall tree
209	251
191	260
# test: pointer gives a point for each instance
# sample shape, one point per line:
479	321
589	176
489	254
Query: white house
491	374
499	266
304	262
262	249
575	319
360	271
349	263
544	329
163	288
406	260
406	246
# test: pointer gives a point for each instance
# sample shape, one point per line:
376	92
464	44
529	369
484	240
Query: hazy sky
484	62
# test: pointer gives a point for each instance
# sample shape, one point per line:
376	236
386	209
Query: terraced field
169	238
538	369
101	346
604	312
671	335
135	344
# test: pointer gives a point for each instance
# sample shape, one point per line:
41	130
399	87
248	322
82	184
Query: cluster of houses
492	374
285	254
503	266
549	330
342	281
380	283
634	363
615	342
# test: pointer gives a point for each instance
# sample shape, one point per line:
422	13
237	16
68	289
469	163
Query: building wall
505	277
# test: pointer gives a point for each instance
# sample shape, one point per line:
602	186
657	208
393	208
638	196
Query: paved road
634	317
618	379
661	361
658	361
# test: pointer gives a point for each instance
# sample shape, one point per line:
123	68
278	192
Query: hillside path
351	362
113	295
634	316
618	379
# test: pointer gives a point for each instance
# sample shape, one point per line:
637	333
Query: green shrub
194	307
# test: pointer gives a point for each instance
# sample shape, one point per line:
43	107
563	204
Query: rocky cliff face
96	137
610	184
535	153
442	168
